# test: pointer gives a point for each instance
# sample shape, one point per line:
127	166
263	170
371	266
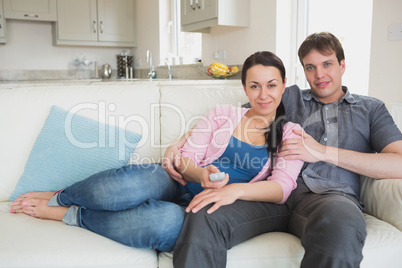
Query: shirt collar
347	97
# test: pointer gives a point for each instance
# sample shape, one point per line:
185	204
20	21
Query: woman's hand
306	149
221	197
170	160
206	183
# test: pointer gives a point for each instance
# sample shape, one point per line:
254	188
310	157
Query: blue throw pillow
70	148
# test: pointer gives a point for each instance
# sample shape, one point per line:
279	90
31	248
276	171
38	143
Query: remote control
217	176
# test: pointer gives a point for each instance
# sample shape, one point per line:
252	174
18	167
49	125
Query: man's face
324	74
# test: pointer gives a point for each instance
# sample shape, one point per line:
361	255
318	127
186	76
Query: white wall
240	43
148	36
30	47
386	56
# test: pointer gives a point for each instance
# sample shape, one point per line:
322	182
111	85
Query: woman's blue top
241	160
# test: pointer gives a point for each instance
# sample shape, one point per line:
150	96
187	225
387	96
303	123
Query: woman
129	204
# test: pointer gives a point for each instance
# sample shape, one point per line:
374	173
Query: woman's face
264	88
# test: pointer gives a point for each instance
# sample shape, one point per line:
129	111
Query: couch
164	111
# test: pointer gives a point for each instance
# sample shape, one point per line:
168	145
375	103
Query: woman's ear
284	85
245	91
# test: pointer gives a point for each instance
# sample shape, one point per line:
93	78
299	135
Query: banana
218	70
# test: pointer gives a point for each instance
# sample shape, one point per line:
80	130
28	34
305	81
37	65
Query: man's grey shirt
355	122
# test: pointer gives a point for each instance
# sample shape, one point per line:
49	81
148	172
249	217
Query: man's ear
342	66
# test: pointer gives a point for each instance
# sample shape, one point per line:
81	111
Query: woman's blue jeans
137	205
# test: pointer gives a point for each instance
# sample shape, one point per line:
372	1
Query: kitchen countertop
43	83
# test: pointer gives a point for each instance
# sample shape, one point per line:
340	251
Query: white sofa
168	108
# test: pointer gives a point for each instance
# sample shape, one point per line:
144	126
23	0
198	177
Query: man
348	135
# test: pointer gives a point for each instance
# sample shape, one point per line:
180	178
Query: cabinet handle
94	26
31	16
191	4
101	27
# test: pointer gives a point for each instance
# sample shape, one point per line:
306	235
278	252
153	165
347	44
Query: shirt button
327	121
325	139
326	108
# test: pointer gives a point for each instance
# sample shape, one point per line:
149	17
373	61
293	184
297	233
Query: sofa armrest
383	199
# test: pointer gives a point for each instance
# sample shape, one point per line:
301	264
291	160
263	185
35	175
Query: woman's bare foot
17	206
38	208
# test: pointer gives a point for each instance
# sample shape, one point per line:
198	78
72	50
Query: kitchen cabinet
200	15
96	23
2	24
42	10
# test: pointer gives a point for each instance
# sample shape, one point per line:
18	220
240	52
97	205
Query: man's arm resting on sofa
386	164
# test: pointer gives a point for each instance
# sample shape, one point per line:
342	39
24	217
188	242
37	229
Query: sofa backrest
160	112
182	105
24	110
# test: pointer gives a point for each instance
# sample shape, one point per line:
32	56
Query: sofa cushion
30	242
383	245
382	199
70	148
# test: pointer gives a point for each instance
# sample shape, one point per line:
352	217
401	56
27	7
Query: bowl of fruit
220	71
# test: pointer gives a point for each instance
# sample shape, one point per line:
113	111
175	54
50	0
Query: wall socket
395	32
220	54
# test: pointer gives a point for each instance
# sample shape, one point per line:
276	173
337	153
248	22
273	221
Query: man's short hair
324	42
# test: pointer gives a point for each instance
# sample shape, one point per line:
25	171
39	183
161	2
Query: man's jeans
137	205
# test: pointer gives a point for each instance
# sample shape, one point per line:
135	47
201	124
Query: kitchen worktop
192	72
44	83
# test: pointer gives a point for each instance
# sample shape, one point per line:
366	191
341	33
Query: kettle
106	71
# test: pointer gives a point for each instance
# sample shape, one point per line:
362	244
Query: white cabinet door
193	11
189	11
2	24
116	20
77	20
208	9
96	23
44	10
200	15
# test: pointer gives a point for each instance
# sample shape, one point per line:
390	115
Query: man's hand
170	160
306	149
